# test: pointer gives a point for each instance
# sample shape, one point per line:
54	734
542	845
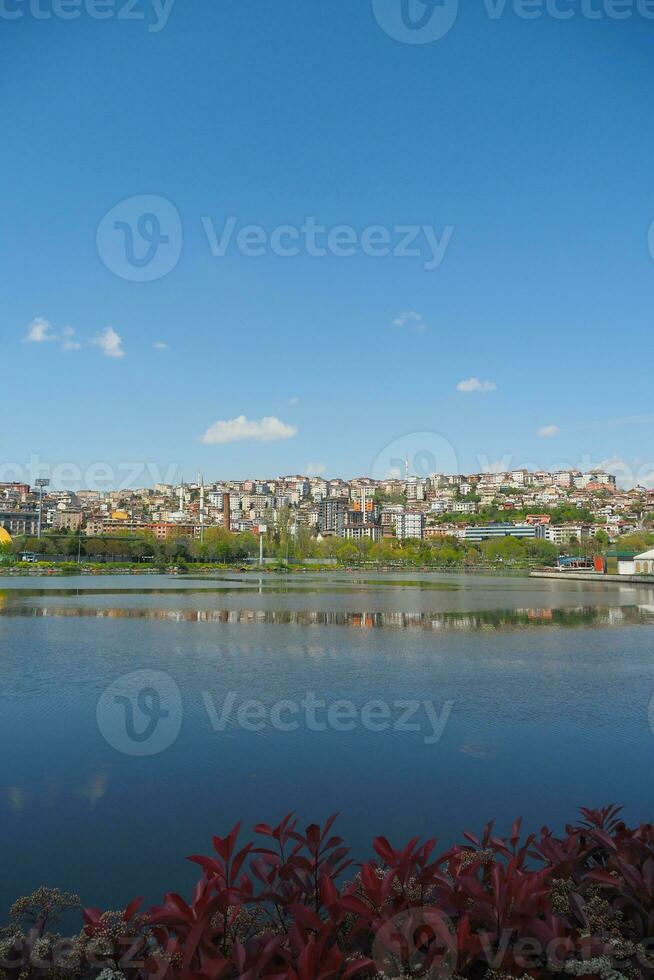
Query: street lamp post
41	483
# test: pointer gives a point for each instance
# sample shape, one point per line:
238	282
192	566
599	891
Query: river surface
141	715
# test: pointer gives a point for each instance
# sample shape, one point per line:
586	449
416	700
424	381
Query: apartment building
357	532
333	513
565	533
410	524
67	520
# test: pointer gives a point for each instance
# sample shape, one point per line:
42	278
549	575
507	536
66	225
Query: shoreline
56	571
589	576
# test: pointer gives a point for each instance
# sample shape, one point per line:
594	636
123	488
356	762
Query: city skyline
555	507
391	464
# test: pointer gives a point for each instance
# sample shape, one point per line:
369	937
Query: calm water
539	691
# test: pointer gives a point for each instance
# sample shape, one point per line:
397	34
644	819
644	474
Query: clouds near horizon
470	385
242	429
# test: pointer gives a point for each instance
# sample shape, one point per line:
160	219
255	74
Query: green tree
602	539
7	556
507	549
638	542
542	551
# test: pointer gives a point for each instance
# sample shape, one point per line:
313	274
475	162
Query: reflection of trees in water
489	619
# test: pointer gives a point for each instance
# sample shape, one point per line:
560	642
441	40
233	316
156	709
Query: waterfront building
486	532
645	563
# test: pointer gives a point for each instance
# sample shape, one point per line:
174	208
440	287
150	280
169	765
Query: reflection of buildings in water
547	614
52	792
491	619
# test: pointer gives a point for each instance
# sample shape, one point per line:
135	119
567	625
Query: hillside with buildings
562	509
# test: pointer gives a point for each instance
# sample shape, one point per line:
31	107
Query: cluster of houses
438	505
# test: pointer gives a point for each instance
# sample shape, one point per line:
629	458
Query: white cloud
474	384
68	342
110	343
268	429
500	466
410	319
548	431
160	345
315	469
294	400
39	331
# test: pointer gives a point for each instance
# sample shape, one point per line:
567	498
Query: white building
563	534
411	524
355	532
415	489
644	564
464	507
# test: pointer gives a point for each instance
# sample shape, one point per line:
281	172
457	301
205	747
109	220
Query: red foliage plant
282	908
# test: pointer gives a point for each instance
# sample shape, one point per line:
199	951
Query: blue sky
524	146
